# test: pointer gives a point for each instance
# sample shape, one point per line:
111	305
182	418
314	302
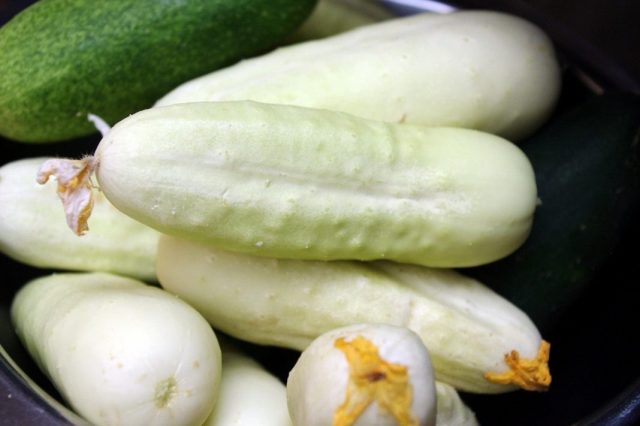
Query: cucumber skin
587	166
62	59
106	342
293	182
403	71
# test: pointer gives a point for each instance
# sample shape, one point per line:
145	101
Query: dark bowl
596	348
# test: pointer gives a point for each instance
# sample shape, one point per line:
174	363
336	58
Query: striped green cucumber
286	181
62	59
475	69
587	165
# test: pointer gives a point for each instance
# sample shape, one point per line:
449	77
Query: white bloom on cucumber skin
363	374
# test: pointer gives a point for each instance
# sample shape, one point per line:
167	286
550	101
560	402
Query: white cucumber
468	328
476	69
33	230
249	394
316	386
120	352
363	374
294	182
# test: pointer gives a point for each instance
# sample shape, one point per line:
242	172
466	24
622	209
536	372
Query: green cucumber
62	59
587	166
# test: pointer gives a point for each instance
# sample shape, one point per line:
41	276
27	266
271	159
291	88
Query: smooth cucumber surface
330	383
249	394
62	59
587	165
474	69
119	351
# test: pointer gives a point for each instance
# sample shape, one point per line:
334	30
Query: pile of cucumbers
393	199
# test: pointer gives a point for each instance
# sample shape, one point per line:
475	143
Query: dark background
602	37
591	32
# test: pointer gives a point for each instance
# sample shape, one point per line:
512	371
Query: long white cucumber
467	327
363	374
33	230
294	182
120	352
249	394
476	69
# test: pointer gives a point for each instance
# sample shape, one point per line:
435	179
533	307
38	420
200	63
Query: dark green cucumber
62	59
587	165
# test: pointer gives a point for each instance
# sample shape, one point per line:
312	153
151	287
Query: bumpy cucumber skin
294	182
62	59
589	156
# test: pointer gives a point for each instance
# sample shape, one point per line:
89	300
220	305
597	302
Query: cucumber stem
528	374
99	124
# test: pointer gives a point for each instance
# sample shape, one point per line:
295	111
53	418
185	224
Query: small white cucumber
33	230
120	352
476	69
316	384
293	182
468	329
249	394
363	374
